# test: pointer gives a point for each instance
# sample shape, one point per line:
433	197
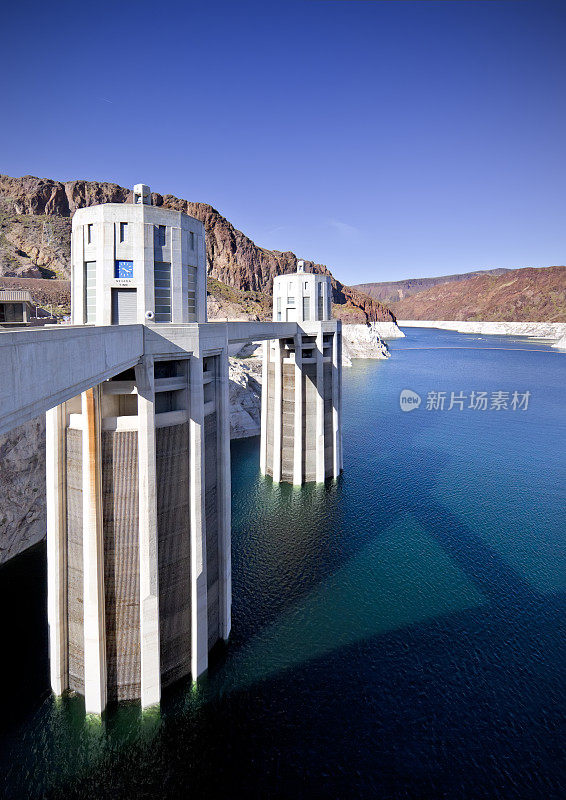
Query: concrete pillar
148	266
56	547
105	259
336	422
78	289
264	402
319	407
199	605
148	540
277	411
298	426
200	298
93	555
224	484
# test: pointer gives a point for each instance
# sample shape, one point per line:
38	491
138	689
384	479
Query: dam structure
301	432
135	393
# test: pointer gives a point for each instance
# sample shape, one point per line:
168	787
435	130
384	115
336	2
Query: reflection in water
400	578
397	633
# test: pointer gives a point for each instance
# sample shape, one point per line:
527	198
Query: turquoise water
398	633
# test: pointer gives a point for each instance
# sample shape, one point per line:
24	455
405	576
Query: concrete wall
174	549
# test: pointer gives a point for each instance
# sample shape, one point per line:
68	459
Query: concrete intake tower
301	431
138	444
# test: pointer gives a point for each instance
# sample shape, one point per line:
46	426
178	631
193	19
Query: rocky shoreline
537	330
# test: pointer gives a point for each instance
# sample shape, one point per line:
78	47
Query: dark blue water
397	634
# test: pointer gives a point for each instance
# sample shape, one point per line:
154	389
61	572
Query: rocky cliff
393	291
22	484
35	235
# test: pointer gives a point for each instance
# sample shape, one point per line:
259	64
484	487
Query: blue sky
385	139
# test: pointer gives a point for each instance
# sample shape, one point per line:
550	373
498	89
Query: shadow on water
391	638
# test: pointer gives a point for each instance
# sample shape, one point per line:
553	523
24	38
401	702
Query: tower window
192	240
123	231
160	236
89	234
162	288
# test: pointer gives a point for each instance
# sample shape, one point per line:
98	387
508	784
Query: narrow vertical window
192	240
90	292
123	231
162	289
159	236
89	234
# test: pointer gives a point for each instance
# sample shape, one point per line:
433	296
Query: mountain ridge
529	294
394	291
35	226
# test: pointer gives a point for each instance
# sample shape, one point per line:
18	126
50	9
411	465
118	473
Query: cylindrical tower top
137	263
302	296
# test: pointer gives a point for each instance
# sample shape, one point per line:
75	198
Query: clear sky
386	139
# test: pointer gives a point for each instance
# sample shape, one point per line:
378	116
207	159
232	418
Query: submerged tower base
139	526
301	434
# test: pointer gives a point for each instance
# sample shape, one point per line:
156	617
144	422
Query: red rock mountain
523	295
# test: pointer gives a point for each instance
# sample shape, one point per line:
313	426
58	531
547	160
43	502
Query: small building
302	297
15	307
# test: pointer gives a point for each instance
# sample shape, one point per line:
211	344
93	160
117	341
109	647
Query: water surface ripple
398	633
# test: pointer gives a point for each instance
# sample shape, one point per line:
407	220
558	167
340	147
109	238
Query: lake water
399	633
